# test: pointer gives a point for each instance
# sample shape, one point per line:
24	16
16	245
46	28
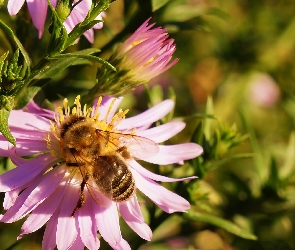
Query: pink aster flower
78	15
147	52
263	91
38	12
37	9
143	56
59	185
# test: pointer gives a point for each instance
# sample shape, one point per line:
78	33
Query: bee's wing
97	195
93	183
139	147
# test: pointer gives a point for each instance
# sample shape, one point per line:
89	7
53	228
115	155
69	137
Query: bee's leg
81	200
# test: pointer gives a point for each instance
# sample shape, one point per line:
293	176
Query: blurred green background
240	54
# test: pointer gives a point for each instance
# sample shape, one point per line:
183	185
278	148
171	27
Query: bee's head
77	132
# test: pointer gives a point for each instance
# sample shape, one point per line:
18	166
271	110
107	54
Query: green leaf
155	95
274	180
157	4
288	170
192	24
180	12
59	34
219	222
87	57
208	122
61	63
197	136
6	106
25	95
3	57
49	71
10	34
221	162
260	160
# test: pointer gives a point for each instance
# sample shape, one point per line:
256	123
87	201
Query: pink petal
87	226
122	245
23	134
45	188
129	211
14	6
175	153
134	208
165	199
9	216
148	117
89	34
143	171
29	147
67	225
33	108
77	244
41	214
16	159
11	196
25	145
53	2
163	132
38	12
20	175
26	121
107	220
49	237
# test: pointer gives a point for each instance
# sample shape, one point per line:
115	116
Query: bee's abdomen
123	186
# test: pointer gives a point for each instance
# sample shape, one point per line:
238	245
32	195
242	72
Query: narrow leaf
3	57
24	95
222	223
87	57
157	4
208	122
52	68
274	180
6	106
59	33
221	162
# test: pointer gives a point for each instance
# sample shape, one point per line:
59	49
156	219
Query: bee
101	157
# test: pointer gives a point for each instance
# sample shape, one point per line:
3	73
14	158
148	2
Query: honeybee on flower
56	187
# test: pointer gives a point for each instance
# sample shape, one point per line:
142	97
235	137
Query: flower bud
143	56
64	8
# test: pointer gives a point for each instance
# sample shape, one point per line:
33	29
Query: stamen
109	110
78	105
85	110
119	117
66	106
89	112
61	115
74	110
96	111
